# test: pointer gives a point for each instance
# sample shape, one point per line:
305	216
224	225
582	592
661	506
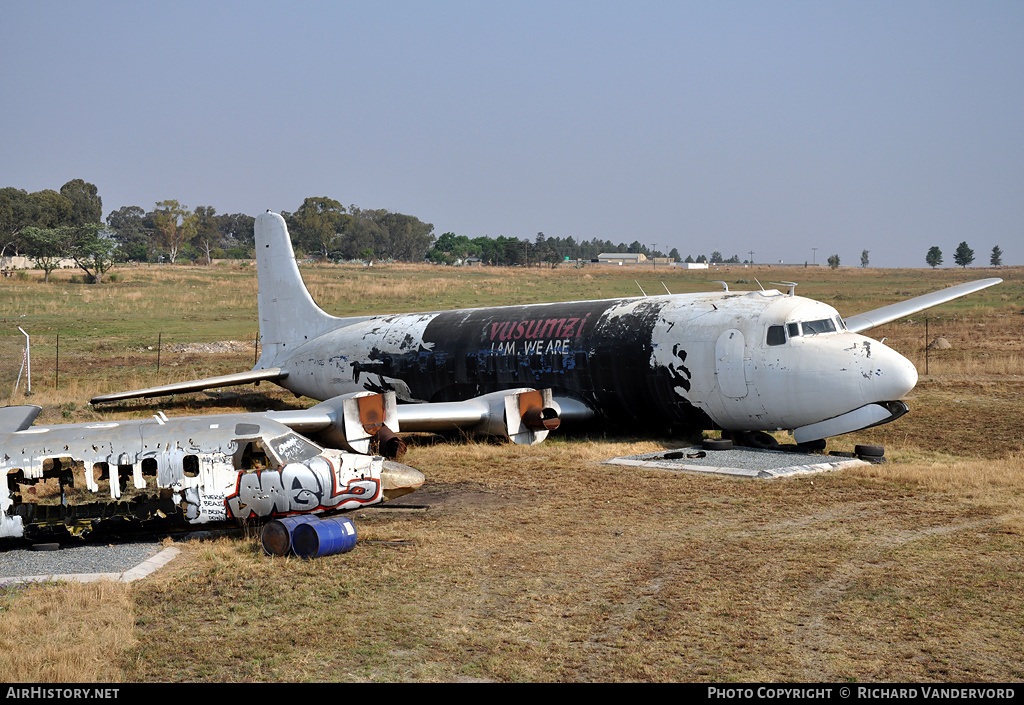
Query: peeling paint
242	467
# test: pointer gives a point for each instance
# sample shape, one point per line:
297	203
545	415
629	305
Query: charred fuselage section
181	472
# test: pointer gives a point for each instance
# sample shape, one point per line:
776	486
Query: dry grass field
542	563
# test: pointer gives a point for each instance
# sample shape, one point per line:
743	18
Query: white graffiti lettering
297	488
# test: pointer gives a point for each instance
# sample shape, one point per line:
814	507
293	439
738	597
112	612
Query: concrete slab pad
138	572
738	462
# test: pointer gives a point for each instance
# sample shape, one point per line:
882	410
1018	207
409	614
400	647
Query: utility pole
814	256
751	253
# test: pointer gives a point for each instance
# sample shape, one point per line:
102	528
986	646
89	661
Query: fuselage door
729	348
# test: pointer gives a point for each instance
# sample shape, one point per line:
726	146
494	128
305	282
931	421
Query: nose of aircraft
891	375
399	479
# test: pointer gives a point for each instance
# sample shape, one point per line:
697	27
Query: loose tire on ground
869	451
716	444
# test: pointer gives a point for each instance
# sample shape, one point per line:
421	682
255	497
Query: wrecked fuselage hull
186	472
600	353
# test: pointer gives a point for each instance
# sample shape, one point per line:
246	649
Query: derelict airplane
190	471
736	361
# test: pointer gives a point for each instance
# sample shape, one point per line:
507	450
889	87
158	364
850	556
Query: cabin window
190	466
825	325
794	330
776	335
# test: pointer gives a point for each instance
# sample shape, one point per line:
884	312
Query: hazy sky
767	126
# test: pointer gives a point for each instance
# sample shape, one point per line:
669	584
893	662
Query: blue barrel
324	538
277	535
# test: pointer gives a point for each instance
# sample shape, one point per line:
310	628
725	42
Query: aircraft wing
863	321
195	385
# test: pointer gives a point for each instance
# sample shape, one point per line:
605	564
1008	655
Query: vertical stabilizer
288	314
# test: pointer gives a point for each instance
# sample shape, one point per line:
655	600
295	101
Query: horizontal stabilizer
18	418
864	321
196	385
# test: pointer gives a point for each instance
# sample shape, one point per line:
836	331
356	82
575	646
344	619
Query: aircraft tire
869	451
813	445
759	439
716	444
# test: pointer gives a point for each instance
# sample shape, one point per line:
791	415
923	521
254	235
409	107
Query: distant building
691	265
19	262
621	258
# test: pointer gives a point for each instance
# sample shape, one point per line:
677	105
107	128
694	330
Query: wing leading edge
196	385
886	314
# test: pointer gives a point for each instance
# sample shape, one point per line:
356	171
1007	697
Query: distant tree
450	247
362	233
76	203
128	228
93	248
735	259
175	225
15	215
49	209
996	259
86	205
407	238
674	254
689	259
47	247
864	258
321	222
964	255
934	257
833	261
207	233
716	257
236	234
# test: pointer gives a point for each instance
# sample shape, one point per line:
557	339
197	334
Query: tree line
963	256
52	227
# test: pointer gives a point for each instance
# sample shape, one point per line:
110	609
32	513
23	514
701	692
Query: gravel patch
75	560
220	346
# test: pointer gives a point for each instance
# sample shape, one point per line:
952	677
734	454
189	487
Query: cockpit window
794	330
841	322
825	325
292	447
776	335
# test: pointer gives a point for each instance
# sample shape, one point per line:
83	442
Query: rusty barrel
277	535
324	538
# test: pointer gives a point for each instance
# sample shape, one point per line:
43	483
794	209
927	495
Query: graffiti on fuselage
297	487
539	336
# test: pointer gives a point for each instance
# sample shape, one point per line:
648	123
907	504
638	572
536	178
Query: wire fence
52	361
